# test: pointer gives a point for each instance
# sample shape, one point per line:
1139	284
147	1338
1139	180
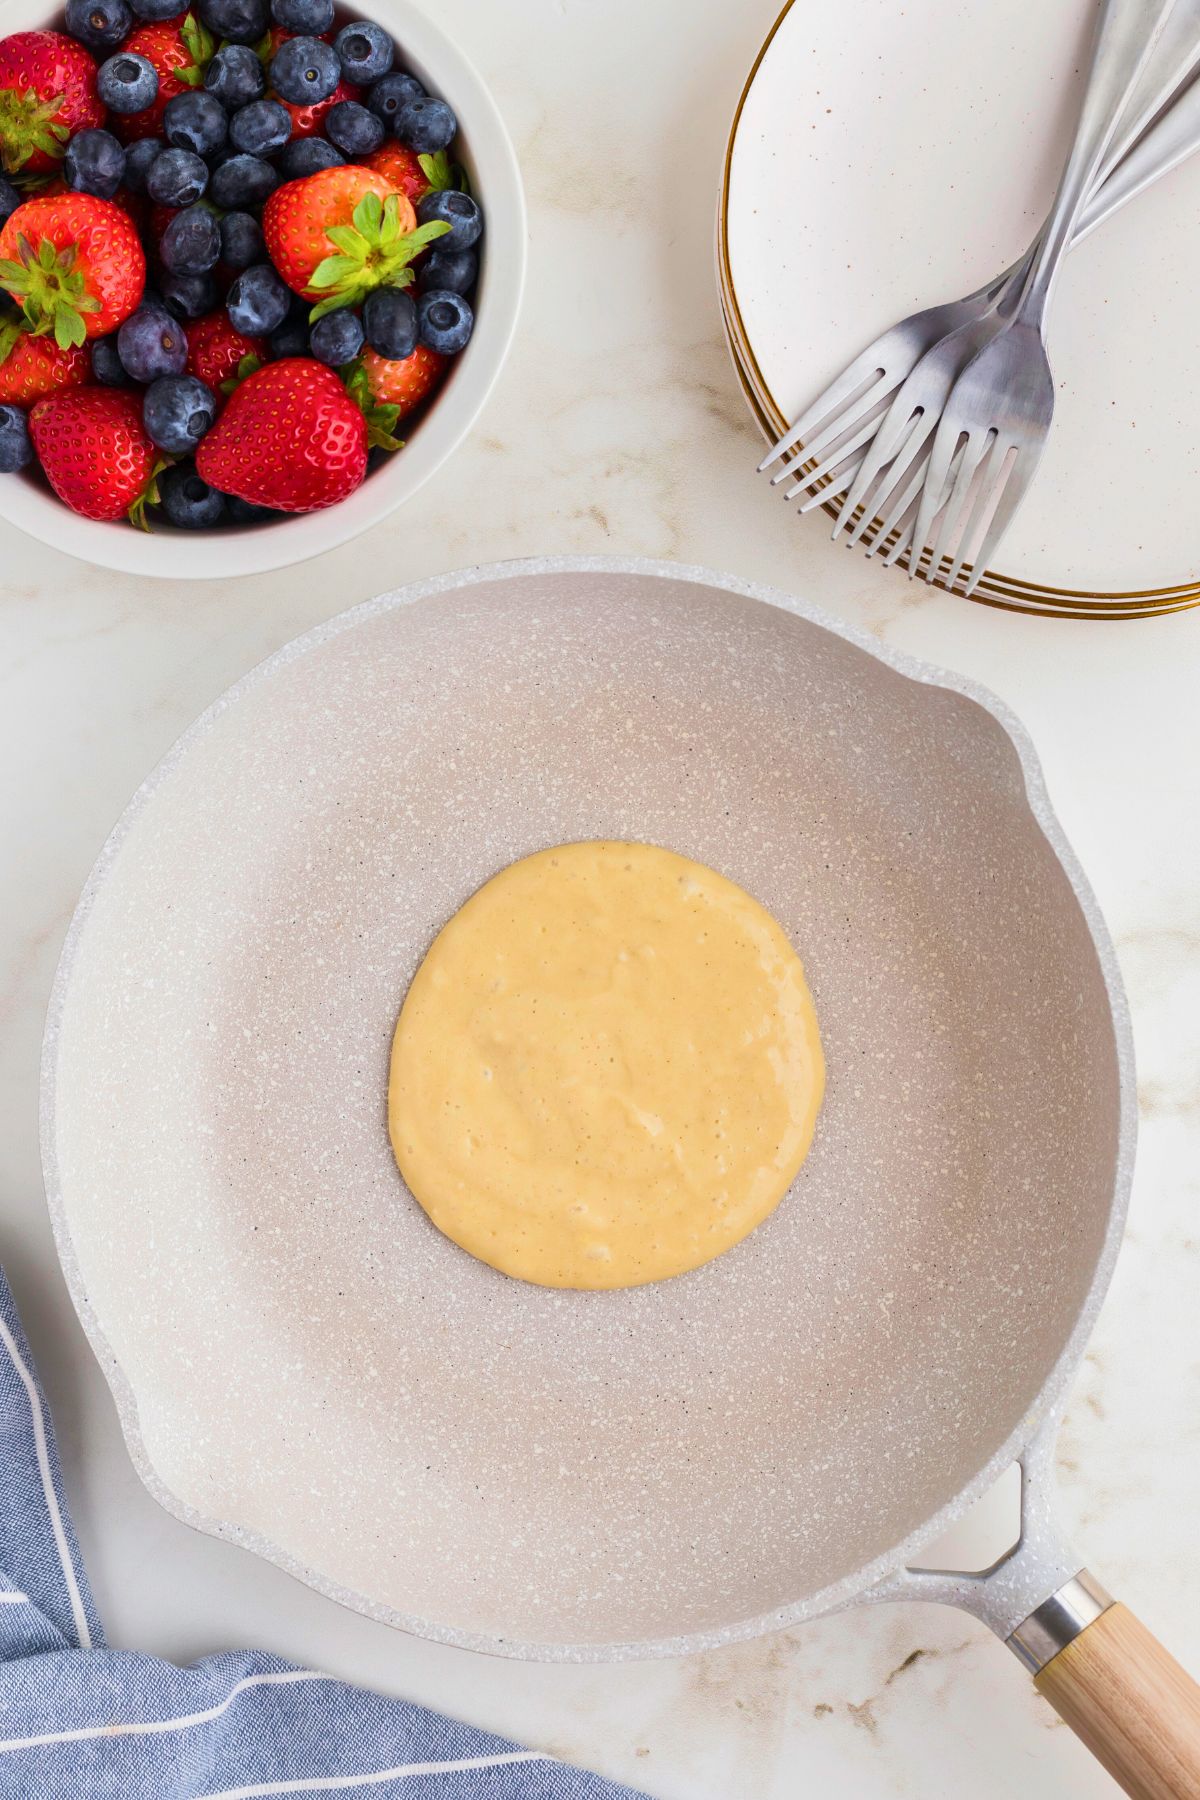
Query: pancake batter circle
607	1069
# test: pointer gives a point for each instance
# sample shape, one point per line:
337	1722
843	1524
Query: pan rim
847	1588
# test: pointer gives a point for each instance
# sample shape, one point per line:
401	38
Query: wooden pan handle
1131	1703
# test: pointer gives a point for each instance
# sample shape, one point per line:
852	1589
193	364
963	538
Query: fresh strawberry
335	235
400	168
31	367
93	447
308	120
180	50
47	93
290	438
406	382
74	265
216	352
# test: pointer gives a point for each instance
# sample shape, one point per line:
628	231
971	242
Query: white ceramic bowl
487	154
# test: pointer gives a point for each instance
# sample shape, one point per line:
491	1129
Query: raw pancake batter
607	1069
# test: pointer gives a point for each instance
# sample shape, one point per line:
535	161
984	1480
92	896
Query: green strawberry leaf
247	366
149	496
441	173
372	252
264	49
28	124
52	293
198	41
380	417
11	333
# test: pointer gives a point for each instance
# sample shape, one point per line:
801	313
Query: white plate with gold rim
883	159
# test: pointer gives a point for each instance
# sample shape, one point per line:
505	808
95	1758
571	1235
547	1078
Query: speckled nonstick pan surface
302	1362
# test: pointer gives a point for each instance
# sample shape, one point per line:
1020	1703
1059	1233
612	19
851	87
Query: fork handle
1125	35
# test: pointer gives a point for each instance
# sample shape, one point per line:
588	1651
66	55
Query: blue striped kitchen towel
82	1722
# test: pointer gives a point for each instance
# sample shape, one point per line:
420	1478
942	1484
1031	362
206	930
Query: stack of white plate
884	158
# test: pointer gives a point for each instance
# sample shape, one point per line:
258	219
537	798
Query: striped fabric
81	1722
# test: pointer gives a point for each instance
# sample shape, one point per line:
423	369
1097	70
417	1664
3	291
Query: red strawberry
404	383
93	447
335	235
180	50
290	438
47	93
401	168
31	367
216	351
74	265
308	120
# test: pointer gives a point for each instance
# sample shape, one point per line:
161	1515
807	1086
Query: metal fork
859	432
997	416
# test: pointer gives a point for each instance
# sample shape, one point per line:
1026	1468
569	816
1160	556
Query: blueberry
456	210
15	448
107	367
426	124
336	338
291	338
187	501
177	411
94	163
155	11
457	270
100	24
244	512
127	83
391	93
390	322
365	52
151	343
237	21
354	128
311	16
258	301
305	70
9	199
304	156
261	128
444	321
195	121
243	181
241	240
235	76
189	296
177	178
138	157
191	244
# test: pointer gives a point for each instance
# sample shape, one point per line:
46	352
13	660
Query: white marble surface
618	427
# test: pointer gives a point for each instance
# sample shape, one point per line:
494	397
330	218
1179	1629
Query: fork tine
1019	477
887	442
904	540
920	431
866	406
902	500
834	397
933	494
993	471
833	460
974	451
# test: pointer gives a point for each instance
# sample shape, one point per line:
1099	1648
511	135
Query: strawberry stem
371	252
52	293
135	512
27	124
380	417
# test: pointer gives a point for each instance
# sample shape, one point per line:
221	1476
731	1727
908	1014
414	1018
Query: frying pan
305	1365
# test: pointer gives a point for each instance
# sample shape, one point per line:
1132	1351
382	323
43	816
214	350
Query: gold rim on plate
1005	591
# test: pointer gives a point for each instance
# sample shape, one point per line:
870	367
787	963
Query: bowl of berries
260	265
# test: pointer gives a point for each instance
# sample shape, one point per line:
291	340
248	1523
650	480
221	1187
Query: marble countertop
618	428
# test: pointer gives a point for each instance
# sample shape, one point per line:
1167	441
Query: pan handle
1136	1710
1129	1701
